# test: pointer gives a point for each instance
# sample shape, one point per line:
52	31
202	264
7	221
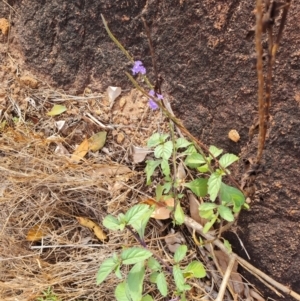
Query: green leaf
215	151
105	269
147	298
150	168
226	213
97	141
165	167
195	269
190	150
230	195
227	160
153	277
209	224
157	139
180	253
227	245
112	223
136	212
134	255
140	225
182	142
207	214
121	292
178	278
56	110
153	264
167	187
194	160
198	186
203	168
214	185
179	215
135	281
159	191
164	150
118	272
207	206
162	284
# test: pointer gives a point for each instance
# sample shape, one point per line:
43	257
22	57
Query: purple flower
138	68
152	104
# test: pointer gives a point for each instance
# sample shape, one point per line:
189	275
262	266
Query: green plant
142	259
209	182
48	295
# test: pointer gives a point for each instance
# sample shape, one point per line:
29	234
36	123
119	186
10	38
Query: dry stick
189	222
226	278
260	76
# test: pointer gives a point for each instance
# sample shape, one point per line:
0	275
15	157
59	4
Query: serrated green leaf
164	150
203	168
190	150
214	185
134	255
209	224
140	225
167	187
162	284
121	292
198	186
215	151
156	139
112	223
180	253
178	278
135	281
194	160
105	269
230	195
159	191
147	298
207	206
179	215
225	213
118	272
227	159
227	245
153	264
182	142
207	214
153	277
165	167
151	165
196	269
136	212
57	110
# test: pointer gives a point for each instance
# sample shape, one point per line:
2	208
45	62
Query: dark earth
209	68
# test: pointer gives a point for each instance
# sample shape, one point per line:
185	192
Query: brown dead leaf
4	26
162	210
83	221
181	174
97	141
174	240
138	154
236	281
194	209
37	232
80	151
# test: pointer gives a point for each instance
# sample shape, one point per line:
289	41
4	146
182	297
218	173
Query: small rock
29	81
122	102
120	138
234	135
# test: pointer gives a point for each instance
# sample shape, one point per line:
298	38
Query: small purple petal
138	68
152	104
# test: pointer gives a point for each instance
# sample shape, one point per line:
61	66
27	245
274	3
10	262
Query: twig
189	222
226	278
260	76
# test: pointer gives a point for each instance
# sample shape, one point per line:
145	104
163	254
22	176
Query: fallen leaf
80	151
4	26
181	174
56	110
194	209
163	208
174	240
113	93
97	141
37	232
60	124
83	221
138	154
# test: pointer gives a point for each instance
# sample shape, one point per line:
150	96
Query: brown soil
210	75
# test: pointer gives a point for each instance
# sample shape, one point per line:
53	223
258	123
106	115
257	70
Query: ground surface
209	72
